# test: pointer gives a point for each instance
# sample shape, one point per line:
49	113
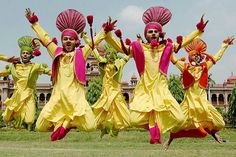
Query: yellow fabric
22	104
67	101
198	111
3	57
67	105
152	97
111	106
152	102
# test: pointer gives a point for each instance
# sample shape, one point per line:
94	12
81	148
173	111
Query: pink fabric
55	134
79	67
155	136
152	135
158	134
69	32
140	60
59	134
138	56
165	58
152	25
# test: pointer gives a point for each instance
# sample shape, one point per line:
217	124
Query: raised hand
32	18
229	40
13	59
202	24
109	25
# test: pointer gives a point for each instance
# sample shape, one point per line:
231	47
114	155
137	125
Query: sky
185	15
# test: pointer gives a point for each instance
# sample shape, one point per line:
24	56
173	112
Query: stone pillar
217	99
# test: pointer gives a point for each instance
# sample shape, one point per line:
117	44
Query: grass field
131	143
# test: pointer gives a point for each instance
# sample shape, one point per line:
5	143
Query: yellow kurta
67	106
67	102
152	102
111	106
198	111
22	104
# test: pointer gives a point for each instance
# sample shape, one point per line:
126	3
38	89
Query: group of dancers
153	107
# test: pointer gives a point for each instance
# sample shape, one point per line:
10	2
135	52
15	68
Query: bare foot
217	138
167	144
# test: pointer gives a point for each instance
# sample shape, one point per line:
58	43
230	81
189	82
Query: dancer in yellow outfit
67	107
153	107
21	107
200	115
111	111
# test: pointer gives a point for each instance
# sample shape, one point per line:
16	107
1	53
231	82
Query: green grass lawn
131	143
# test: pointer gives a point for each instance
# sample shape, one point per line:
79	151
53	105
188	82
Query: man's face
152	34
68	43
197	58
25	56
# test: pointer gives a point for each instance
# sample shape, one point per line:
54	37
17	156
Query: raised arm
40	32
12	59
228	41
95	51
189	38
106	28
179	63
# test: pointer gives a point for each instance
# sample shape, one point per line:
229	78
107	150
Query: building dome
231	79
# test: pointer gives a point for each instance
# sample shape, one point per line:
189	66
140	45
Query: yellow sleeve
3	57
178	63
115	43
44	70
98	57
189	38
218	55
45	38
97	39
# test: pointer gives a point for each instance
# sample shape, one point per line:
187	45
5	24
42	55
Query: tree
210	80
176	88
94	90
232	107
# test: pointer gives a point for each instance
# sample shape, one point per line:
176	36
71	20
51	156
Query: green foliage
94	90
176	88
232	108
210	80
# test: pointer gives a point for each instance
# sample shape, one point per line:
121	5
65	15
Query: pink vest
79	65
140	60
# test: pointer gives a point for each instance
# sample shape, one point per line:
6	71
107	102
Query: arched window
48	96
42	97
87	66
126	95
221	99
228	97
214	99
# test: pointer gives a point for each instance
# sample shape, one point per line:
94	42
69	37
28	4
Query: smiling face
152	34
197	58
25	56
68	43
